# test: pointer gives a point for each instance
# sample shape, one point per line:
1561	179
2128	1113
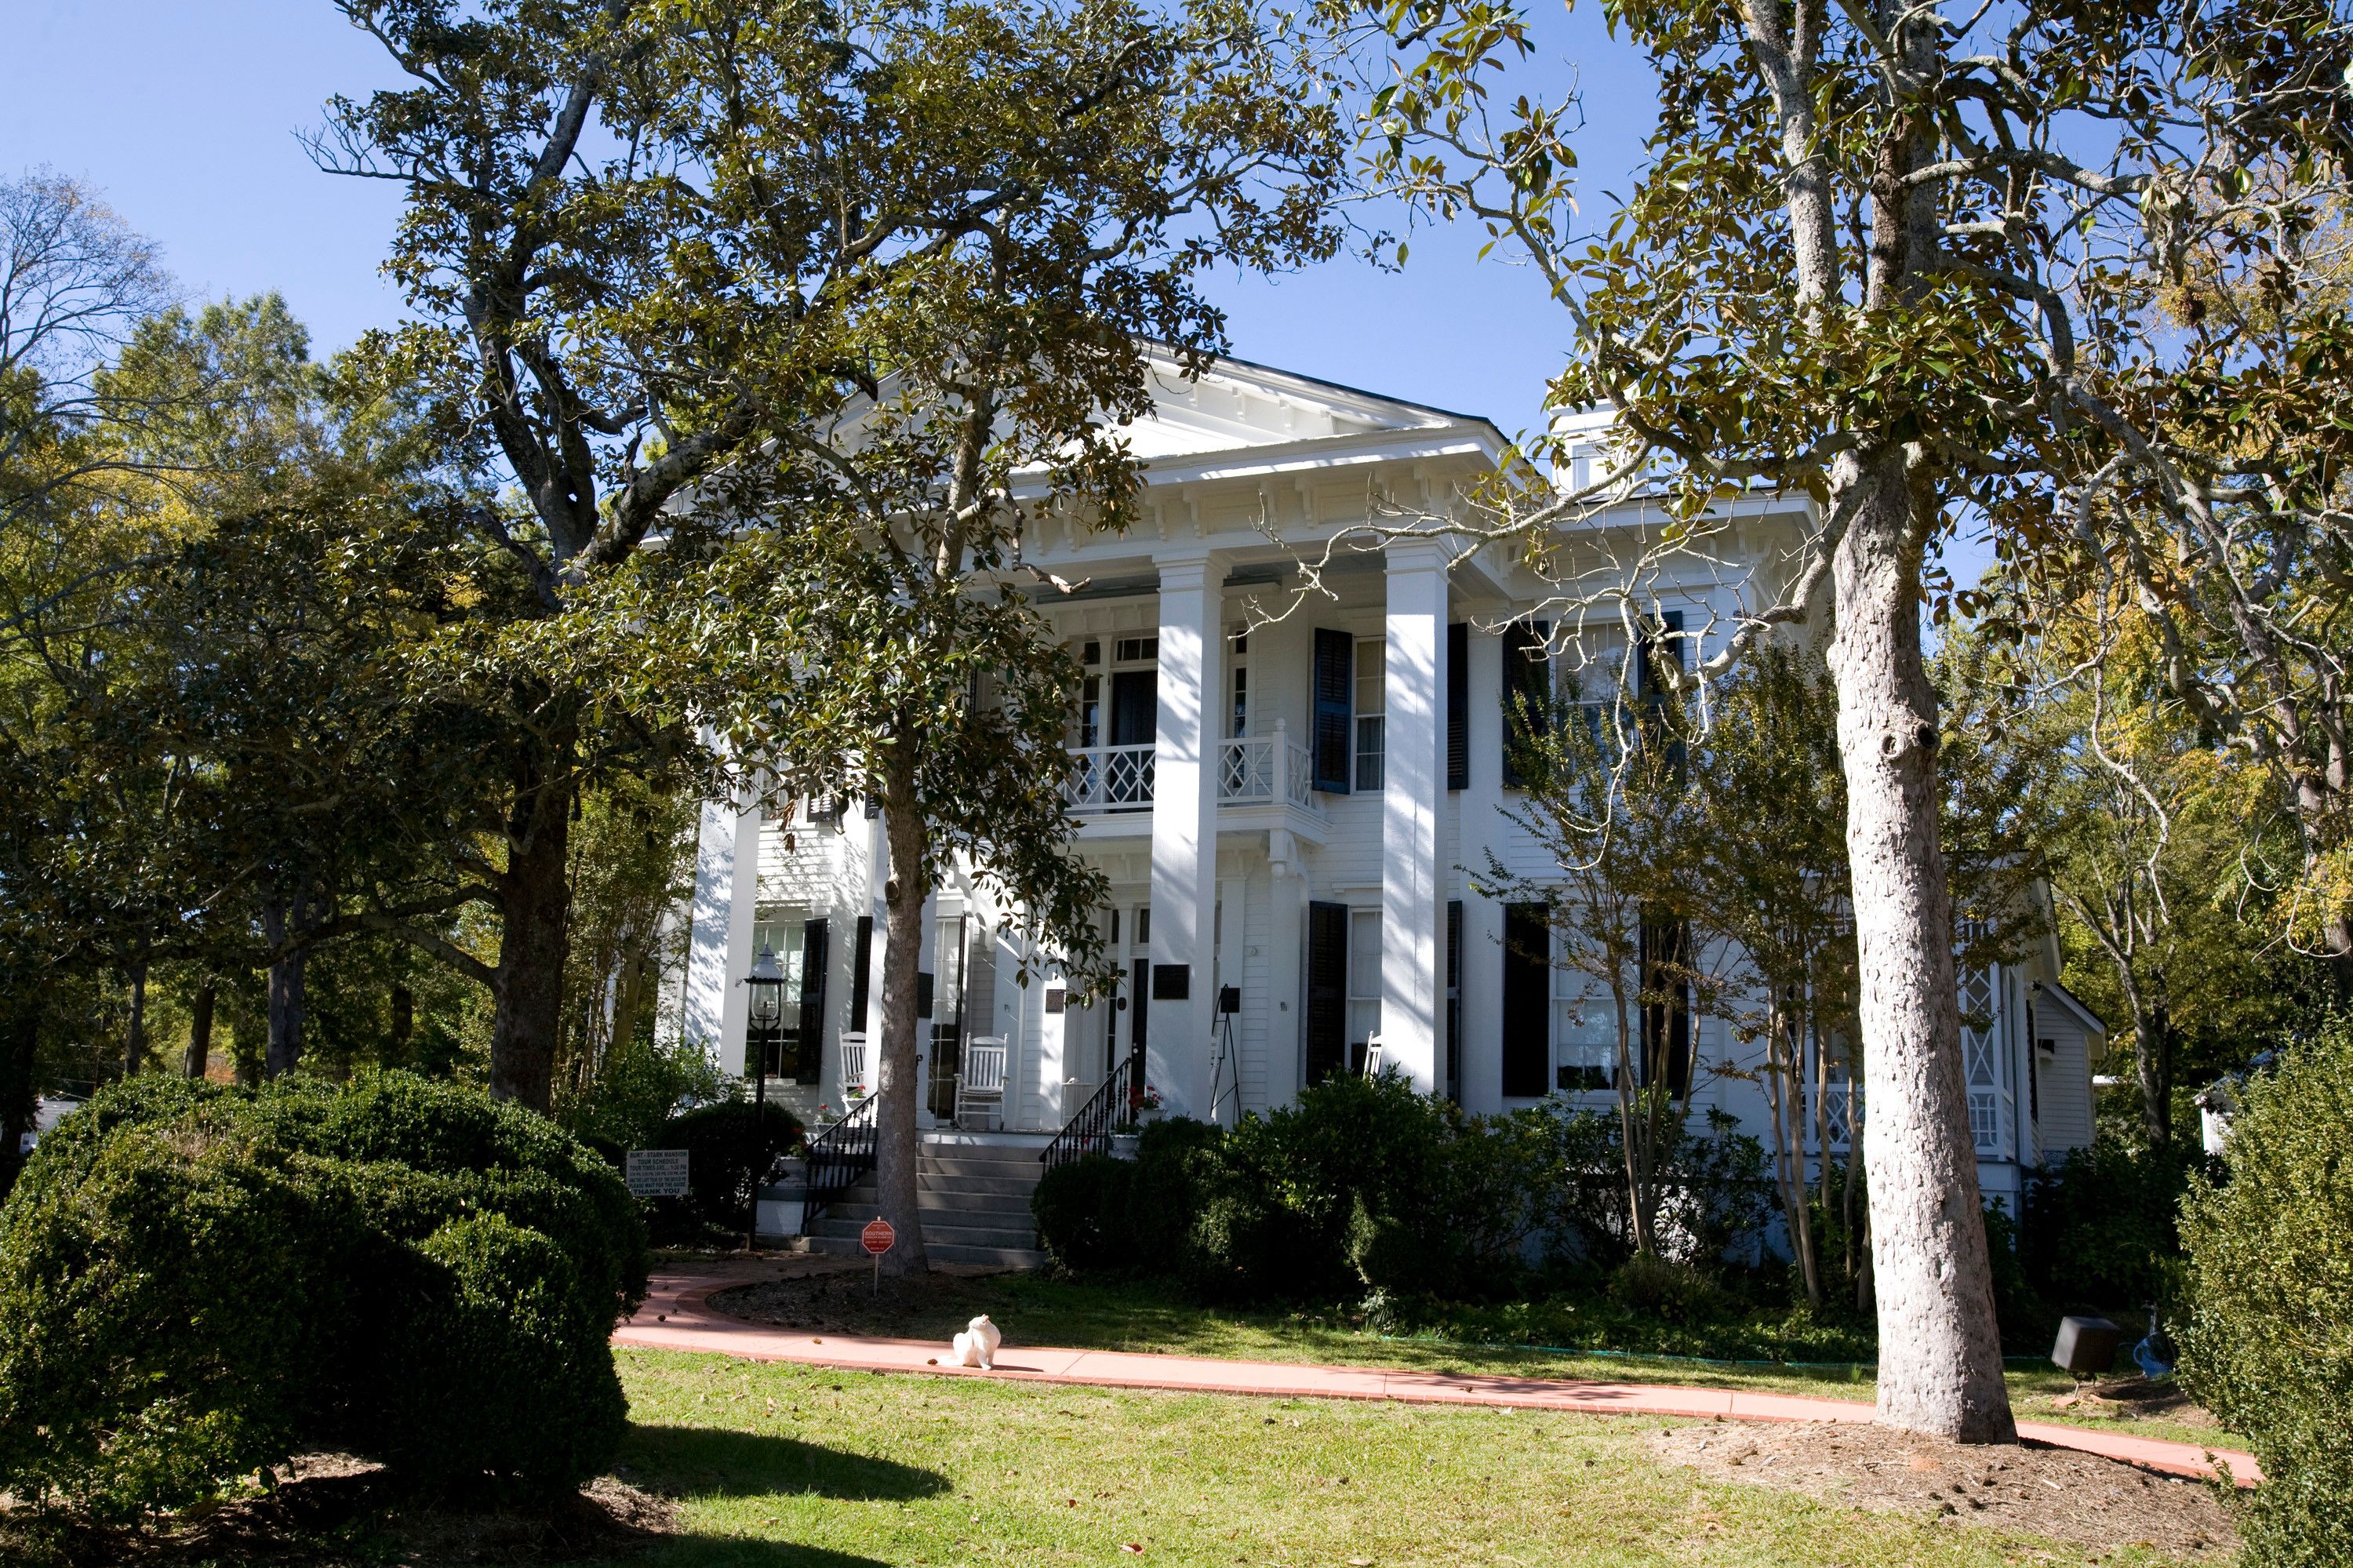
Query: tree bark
899	1081
198	1063
135	1040
1940	1354
535	900
20	1038
282	915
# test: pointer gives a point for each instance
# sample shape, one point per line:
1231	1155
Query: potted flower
1144	1103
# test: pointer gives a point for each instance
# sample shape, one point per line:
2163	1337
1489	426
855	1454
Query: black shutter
862	964
815	957
1528	1000
1336	681
1327	990
1454	1000
1458	705
1525	667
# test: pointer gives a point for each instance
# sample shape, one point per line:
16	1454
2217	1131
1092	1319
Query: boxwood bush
1365	1185
2268	1345
198	1281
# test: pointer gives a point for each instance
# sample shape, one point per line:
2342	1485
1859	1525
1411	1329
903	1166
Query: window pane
1371	654
1364	982
1369	753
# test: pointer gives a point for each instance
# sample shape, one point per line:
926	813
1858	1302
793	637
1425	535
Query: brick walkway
676	1317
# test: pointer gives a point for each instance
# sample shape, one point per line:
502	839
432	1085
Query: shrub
2100	1228
198	1281
640	1085
1364	1185
720	1159
1715	1190
2268	1345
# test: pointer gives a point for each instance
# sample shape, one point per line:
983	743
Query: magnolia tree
1913	261
861	624
654	251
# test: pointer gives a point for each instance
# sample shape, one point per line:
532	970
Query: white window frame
1364	992
1369	764
1584	1036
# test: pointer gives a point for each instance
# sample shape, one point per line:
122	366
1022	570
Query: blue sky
184	115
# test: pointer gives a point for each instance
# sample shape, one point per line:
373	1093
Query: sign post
877	1238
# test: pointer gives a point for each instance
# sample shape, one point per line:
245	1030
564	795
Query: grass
1037	1309
788	1466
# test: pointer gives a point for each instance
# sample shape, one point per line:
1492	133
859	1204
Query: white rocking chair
980	1088
1375	1055
854	1081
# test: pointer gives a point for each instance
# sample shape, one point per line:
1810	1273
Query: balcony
1254	770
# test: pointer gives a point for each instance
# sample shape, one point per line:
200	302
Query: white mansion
1284	810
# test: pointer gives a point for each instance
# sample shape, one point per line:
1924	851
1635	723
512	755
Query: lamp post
768	1011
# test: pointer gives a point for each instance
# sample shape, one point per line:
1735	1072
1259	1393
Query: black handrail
1113	1107
838	1156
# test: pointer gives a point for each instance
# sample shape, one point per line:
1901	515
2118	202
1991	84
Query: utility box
2086	1347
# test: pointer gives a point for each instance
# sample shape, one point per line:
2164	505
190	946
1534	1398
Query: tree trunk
20	1038
898	1079
1939	1351
198	1064
135	1040
283	916
536	904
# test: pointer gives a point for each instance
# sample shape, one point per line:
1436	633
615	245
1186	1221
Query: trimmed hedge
196	1282
2269	1342
1364	1184
721	1162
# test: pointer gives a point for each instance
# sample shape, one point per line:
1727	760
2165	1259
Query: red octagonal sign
877	1237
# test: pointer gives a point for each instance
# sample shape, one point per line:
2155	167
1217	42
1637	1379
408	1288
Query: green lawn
790	1467
1036	1308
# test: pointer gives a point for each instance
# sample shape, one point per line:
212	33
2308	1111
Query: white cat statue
977	1346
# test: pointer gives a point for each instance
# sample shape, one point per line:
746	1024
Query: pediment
1236	406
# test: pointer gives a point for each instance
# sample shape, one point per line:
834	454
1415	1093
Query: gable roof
1236	404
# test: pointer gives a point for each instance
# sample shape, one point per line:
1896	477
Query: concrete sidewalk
677	1317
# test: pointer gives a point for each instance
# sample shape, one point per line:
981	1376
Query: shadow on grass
715	1462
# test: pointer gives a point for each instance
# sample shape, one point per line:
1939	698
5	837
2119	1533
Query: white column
1482	826
719	952
1185	831
1413	780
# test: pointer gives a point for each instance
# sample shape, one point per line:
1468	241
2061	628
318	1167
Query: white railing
1111	778
1269	767
1252	769
1839	1106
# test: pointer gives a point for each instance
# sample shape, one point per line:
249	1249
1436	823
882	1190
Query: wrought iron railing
1111	1108
838	1156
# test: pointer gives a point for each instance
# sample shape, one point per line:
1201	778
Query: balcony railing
1258	769
1111	778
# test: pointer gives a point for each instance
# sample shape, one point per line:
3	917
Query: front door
1135	707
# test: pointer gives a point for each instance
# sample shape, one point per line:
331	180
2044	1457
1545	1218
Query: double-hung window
1364	982
1584	1034
1372	696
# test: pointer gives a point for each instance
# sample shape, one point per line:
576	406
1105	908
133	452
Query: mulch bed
328	1511
2055	1493
830	1295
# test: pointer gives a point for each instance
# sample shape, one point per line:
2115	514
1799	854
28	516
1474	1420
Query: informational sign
657	1172
878	1237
